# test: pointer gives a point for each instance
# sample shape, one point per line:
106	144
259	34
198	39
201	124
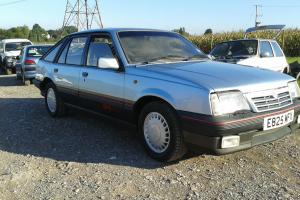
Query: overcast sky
194	15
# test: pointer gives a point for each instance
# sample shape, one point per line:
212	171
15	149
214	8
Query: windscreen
142	47
235	49
16	46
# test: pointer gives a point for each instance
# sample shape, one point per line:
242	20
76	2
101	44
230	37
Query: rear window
52	54
277	49
37	51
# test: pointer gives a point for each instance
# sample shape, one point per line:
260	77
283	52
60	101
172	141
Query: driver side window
266	49
100	47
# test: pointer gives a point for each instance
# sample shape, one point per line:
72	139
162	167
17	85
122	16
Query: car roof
116	30
15	40
254	39
40	45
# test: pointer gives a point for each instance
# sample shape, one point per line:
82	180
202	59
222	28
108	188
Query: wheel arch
144	100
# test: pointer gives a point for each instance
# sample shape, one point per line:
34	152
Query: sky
195	15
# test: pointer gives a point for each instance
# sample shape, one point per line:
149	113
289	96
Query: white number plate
277	121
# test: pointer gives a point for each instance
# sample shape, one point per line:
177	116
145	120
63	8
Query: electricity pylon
83	14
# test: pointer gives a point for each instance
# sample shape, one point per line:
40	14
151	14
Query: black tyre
161	133
25	81
8	71
54	104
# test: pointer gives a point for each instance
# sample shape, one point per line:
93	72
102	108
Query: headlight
294	89
9	59
228	102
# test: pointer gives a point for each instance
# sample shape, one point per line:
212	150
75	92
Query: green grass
293	59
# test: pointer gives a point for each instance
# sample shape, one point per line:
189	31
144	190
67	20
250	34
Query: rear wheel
54	104
25	81
8	71
160	132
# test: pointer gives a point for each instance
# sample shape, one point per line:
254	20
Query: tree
208	31
181	31
38	34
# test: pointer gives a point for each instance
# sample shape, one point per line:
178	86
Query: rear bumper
207	134
29	74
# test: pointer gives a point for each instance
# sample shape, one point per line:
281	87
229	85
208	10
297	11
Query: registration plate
277	121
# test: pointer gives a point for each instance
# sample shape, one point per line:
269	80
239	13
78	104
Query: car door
266	55
68	67
101	88
279	59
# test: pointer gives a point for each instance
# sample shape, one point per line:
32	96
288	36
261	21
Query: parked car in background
27	62
175	95
262	53
9	50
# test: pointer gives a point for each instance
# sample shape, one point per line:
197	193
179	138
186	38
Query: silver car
176	96
27	62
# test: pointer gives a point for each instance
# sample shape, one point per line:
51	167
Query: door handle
55	70
85	74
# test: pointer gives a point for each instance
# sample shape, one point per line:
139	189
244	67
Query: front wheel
161	133
54	104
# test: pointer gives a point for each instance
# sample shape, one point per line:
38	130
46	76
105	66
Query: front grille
278	99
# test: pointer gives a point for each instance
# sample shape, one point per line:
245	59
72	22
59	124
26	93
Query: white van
9	50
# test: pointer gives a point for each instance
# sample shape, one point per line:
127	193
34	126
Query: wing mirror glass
108	63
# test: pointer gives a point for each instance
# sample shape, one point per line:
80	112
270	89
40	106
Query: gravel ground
83	156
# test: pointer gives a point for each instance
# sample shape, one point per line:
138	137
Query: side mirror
108	63
18	57
211	57
265	55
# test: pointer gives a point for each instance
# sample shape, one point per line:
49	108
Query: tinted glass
1	47
75	51
37	51
266	49
16	46
51	55
63	55
147	46
277	49
235	49
100	47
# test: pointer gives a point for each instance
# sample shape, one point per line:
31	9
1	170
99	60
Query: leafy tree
38	34
181	31
208	31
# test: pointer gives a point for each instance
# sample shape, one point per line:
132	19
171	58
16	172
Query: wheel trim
51	100
156	132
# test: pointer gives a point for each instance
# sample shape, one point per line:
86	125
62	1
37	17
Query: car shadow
27	129
9	80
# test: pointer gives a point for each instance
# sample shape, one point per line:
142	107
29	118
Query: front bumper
202	132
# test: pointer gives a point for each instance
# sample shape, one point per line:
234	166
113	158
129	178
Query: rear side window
75	52
266	49
277	49
100	47
51	55
63	55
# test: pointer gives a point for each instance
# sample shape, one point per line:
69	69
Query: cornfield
289	40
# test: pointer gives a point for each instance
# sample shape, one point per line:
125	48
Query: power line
281	6
12	3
